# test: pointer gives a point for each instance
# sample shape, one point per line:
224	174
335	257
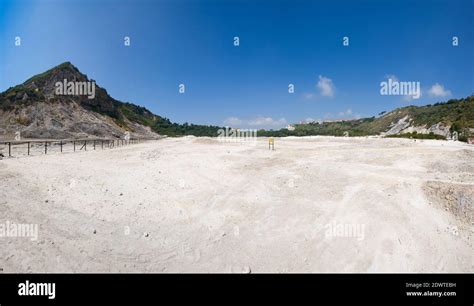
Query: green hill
413	121
31	106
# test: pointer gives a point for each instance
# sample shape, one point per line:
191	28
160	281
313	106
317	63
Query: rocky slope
439	120
36	111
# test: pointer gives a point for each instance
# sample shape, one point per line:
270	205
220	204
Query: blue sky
191	42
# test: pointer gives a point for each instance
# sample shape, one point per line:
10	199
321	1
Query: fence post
85	145
28	148
45	147
10	149
74	146
61	144
94	144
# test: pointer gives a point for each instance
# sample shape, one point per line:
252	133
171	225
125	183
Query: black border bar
350	289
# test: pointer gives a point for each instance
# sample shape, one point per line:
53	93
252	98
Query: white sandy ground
197	205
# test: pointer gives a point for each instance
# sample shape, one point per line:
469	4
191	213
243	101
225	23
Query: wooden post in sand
271	143
28	148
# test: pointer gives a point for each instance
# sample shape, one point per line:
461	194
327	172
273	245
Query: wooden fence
78	144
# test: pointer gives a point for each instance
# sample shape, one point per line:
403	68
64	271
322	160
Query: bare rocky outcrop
400	125
406	125
35	111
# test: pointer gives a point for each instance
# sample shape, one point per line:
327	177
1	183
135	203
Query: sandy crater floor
316	204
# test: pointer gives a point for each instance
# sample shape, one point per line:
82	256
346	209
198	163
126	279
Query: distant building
289	127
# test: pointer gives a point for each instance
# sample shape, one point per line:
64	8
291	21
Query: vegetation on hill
415	135
39	88
163	125
456	113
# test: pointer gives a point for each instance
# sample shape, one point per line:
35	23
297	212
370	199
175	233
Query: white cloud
267	121
259	122
231	121
405	98
438	90
325	86
348	113
409	98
